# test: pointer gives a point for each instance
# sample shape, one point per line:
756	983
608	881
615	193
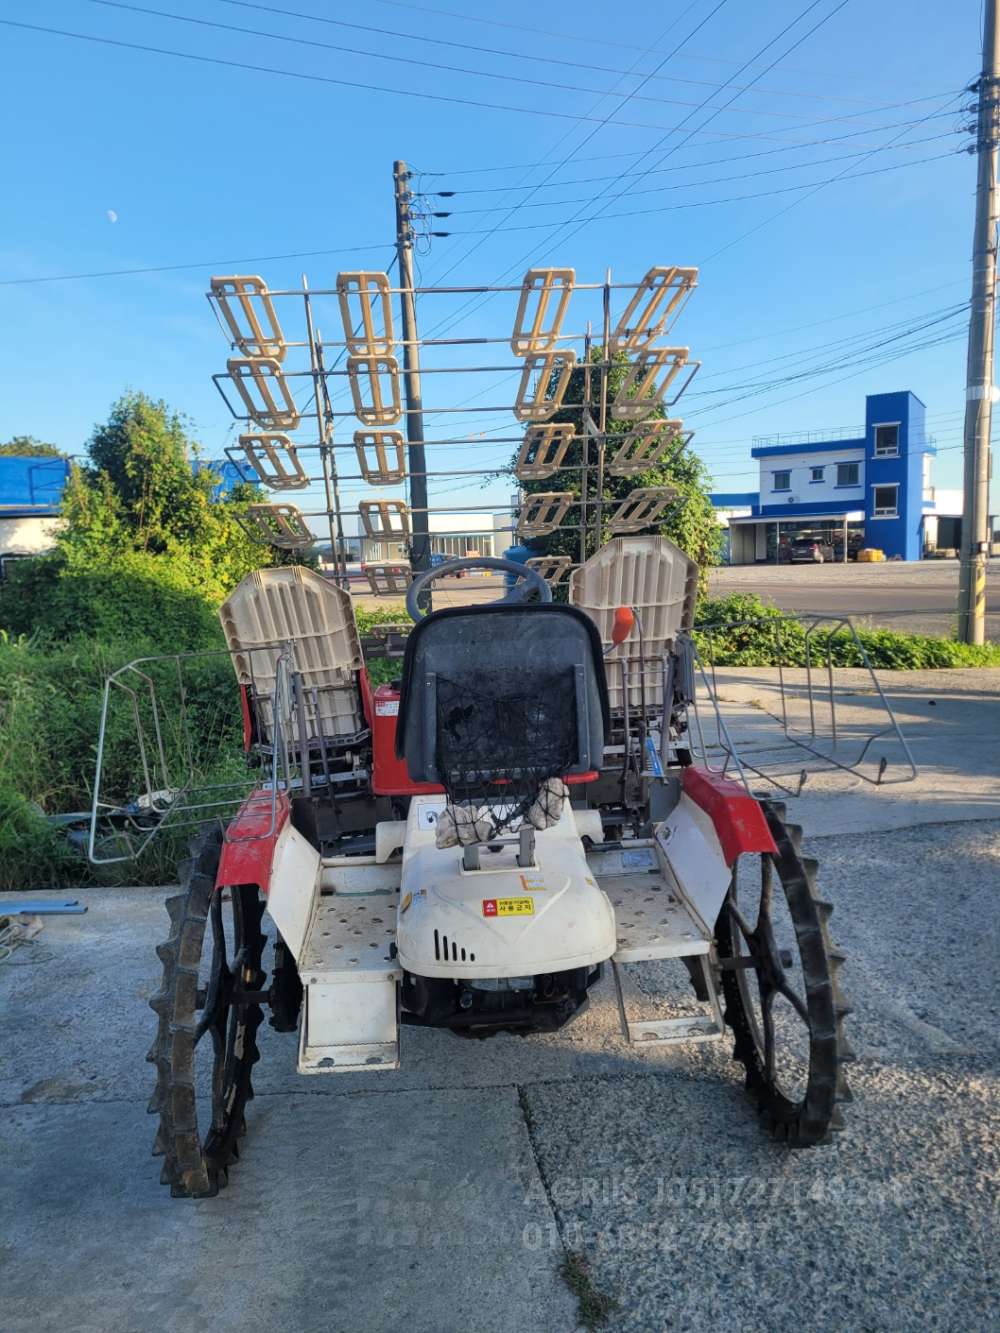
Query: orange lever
624	624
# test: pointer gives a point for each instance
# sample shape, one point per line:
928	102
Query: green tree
26	446
140	529
690	522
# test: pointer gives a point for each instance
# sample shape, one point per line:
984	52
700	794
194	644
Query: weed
594	1307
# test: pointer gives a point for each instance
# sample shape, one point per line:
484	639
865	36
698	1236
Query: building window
816	474
783	480
847	474
887	441
884	504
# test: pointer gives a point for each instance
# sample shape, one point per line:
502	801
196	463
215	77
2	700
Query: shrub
772	638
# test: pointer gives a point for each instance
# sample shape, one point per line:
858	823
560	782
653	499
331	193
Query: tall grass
50	708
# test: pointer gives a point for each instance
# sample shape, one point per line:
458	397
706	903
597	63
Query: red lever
623	626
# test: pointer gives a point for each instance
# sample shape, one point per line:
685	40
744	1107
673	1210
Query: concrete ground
445	1197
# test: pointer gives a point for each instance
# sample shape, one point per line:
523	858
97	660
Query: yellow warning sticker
508	907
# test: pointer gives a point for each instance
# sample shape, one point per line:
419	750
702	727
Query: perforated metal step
350	1016
651	919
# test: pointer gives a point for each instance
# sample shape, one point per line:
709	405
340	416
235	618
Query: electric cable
560	227
408	93
531	81
540	59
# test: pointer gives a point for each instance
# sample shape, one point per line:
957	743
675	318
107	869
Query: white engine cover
502	920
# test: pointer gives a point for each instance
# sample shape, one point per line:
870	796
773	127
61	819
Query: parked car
811	549
855	542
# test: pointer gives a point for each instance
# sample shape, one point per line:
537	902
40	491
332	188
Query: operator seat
502	694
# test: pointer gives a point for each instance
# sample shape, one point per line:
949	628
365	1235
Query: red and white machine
472	846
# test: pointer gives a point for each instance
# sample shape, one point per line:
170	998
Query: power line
689	166
871	103
583	222
853	374
408	93
831	319
557	228
172	268
501	222
786	146
782	211
697	203
563	36
531	81
805	353
693	185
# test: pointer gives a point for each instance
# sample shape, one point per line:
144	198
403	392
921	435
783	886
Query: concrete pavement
444	1197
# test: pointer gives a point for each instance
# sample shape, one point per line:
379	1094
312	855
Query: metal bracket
553	568
541	284
383	473
553	371
542	512
260	373
641	508
280	524
672	1031
661	295
275	461
252	338
649	377
371	292
526	846
385	519
388	580
381	409
651	444
543	450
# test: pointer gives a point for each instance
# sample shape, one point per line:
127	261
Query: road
444	1197
920	597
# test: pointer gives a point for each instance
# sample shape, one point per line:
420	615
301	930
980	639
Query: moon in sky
112	215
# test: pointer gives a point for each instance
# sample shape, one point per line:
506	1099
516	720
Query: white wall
27	536
803	490
947	501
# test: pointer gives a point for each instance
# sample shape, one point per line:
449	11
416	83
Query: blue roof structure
31	485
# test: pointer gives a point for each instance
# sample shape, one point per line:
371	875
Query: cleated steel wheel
782	992
209	1009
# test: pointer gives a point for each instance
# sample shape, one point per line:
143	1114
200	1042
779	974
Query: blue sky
205	163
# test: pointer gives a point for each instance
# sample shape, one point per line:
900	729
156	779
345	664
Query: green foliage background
691	522
145	557
26	446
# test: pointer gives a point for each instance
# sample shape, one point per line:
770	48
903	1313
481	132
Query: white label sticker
387	708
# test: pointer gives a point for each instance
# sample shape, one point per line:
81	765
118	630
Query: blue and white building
872	488
30	499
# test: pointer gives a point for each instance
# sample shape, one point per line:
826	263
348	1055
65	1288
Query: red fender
248	850
737	817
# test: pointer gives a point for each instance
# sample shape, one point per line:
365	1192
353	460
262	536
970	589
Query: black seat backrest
490	692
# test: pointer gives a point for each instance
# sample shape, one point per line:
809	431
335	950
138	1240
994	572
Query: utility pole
420	545
979	371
